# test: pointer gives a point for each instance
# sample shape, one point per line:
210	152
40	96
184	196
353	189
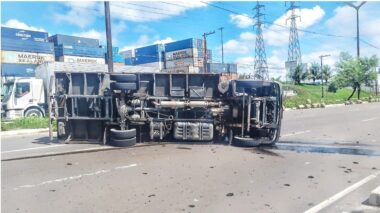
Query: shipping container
76	50
26	46
189	69
184	44
13	57
185	62
149	50
115	50
76	59
18	70
129	61
157	65
23	35
221	68
128	53
179	54
73	40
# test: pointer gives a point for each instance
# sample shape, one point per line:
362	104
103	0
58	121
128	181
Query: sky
324	27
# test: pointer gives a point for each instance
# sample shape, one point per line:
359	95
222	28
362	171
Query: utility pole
108	35
261	66
294	50
357	25
322	56
205	50
221	41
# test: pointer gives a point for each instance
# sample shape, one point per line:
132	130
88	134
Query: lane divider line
369	119
74	177
341	194
33	148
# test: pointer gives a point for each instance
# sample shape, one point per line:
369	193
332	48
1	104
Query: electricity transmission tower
261	66
294	50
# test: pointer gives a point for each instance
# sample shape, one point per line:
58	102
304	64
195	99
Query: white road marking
74	177
126	167
34	148
369	119
341	194
296	133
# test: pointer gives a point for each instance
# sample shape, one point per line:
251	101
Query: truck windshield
6	91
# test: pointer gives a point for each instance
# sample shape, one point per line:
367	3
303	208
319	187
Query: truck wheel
123	86
245	142
122	134
123	77
33	112
123	142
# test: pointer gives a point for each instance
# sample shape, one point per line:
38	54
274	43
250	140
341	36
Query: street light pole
322	56
108	35
357	24
221	40
205	49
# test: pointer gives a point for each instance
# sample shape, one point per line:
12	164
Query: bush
332	87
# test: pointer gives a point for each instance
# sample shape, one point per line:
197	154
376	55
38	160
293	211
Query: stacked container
150	56
129	57
117	58
77	49
23	50
185	53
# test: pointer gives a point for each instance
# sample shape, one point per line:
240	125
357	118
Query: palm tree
314	72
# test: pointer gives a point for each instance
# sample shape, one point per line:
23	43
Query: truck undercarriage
122	109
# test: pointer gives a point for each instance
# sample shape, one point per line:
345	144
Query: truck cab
23	97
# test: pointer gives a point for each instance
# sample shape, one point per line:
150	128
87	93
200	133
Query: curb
23	131
328	106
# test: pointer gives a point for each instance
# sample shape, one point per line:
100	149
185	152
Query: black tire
123	86
123	142
123	77
33	112
245	142
122	134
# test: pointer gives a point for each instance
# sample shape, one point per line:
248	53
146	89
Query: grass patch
26	123
313	92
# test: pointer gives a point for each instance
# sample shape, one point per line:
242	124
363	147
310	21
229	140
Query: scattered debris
69	164
191	205
52	190
211	167
286	184
182	147
355	162
145	173
152	195
310	177
230	194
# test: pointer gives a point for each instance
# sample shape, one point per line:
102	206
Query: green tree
355	72
298	74
326	73
314	73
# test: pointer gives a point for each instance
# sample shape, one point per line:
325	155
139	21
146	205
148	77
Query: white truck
23	97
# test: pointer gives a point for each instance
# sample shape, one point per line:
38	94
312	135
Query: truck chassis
121	109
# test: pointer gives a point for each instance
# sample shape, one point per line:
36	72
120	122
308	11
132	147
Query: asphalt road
323	154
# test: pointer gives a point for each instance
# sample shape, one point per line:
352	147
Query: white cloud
143	40
241	20
101	35
84	13
236	46
275	35
344	23
81	13
14	23
164	41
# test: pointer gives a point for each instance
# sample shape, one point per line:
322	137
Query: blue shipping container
23	35
26	46
151	50
18	70
129	61
84	51
115	50
73	40
184	44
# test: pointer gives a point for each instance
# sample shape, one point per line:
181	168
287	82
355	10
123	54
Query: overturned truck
121	109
